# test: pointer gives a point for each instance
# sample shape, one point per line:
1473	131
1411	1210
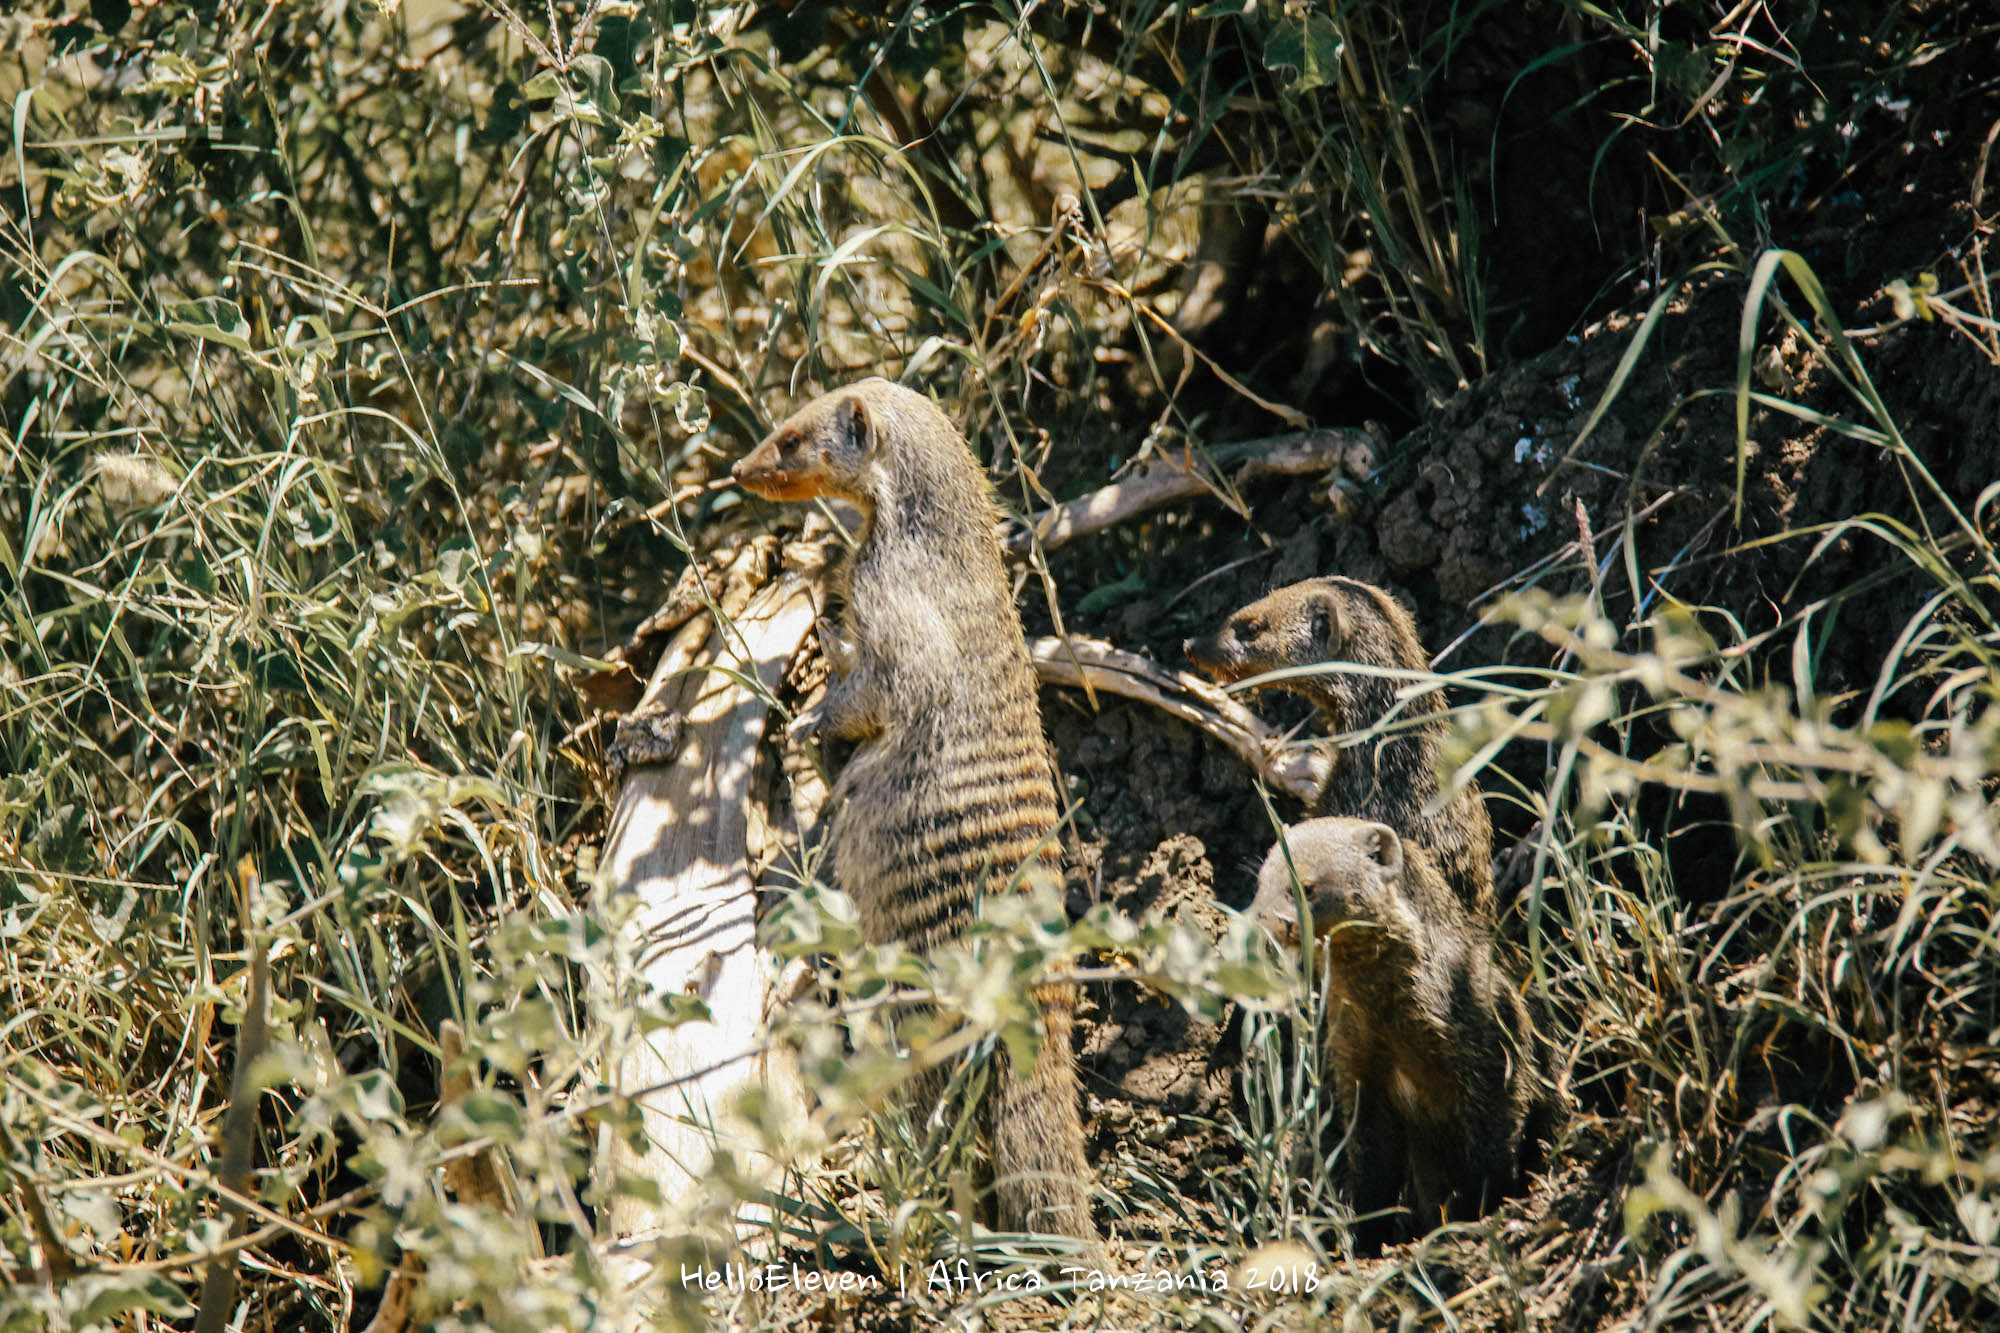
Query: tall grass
366	370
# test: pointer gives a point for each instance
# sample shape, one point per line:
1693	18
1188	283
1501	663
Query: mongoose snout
774	469
825	456
1294	626
1350	875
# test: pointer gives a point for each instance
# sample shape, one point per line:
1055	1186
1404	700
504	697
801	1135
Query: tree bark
679	844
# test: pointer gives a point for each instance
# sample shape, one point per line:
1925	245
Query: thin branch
239	1123
56	1264
1167	480
1300	769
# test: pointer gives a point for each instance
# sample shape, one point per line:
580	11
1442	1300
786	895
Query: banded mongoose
1345	620
951	787
1431	1052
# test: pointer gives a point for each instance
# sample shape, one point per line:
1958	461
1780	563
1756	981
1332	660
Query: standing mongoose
950	788
1330	620
1432	1054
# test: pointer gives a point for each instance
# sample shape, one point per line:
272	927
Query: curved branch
1165	480
1299	768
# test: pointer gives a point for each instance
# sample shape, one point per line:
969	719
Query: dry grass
361	375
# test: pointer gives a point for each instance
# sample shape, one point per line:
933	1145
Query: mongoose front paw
809	725
840	651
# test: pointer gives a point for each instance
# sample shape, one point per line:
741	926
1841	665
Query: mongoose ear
1387	850
1326	616
858	430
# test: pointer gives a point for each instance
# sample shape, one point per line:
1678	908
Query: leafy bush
368	366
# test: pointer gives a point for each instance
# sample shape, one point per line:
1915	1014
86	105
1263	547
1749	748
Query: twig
1291	416
1165	480
474	1179
1298	769
726	380
1478	1289
1217	573
686	493
239	1138
56	1264
175	1262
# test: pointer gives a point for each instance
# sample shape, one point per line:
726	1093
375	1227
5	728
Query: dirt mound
1485	496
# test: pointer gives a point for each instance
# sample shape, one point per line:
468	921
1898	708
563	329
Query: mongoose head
819	450
1351	870
1290	627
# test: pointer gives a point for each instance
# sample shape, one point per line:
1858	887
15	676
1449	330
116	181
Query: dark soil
1474	502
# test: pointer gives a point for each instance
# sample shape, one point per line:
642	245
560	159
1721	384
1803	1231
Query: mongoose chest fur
1335	620
950	789
1430	1046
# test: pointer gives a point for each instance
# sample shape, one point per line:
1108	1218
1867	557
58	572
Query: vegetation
370	368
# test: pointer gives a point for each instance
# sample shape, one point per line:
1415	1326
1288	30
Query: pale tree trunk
679	845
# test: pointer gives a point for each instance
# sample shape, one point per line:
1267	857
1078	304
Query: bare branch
239	1122
1298	768
1166	480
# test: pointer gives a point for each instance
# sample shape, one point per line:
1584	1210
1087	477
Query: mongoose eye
1251	629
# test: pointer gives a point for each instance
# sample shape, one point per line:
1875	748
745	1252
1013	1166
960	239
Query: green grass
363	377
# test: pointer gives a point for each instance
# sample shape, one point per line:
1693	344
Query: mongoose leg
1372	1163
1435	1160
850	710
1490	1152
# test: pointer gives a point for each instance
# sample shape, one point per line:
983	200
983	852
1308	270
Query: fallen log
678	844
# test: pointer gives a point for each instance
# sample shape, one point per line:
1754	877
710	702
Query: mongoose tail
1039	1167
1430	1046
1339	620
950	789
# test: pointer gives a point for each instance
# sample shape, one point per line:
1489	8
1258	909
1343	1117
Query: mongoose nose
1284	928
736	469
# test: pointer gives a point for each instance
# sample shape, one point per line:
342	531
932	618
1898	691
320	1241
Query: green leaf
670	1011
637	1187
97	1299
1313	49
498	1117
213	318
564	391
1111	594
